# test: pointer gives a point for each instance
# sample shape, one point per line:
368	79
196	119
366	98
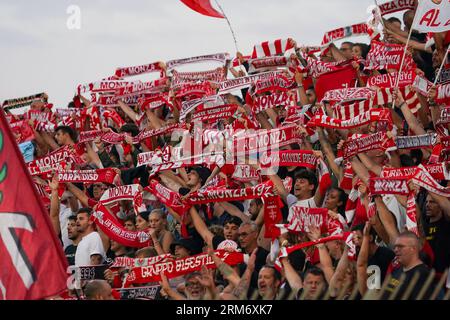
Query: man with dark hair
98	290
75	237
90	250
231	228
407	247
269	280
65	135
346	49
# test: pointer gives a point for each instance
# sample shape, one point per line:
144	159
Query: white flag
432	16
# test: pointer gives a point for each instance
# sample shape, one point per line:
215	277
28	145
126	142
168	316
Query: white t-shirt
292	200
64	214
89	245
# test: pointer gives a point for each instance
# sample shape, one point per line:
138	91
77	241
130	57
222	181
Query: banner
33	265
432	16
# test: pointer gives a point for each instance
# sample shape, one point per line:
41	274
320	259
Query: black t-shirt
70	254
382	258
438	236
394	282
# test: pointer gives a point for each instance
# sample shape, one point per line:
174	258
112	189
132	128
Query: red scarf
283	99
388	56
266	63
316	68
142	87
277	83
109	225
168	197
389	80
345	32
176	268
288	158
231	85
220	194
180	78
264	140
107	175
103	86
213	114
443	94
22	131
364	143
379	115
55	160
437	171
395	6
137	70
343	77
346	95
125	262
120	193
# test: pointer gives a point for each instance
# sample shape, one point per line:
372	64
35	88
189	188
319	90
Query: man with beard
90	250
75	237
269	280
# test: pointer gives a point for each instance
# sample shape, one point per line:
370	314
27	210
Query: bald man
98	290
407	247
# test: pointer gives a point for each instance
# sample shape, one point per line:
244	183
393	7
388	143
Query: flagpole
229	25
403	59
442	66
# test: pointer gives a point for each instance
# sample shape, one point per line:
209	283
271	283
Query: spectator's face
347	50
357	52
82	222
194	290
129	225
115	246
61	137
72	232
141	223
313	284
156	221
253	208
181	252
267	283
97	190
311	95
405	250
247	237
332	202
302	188
231	231
357	238
433	210
193	179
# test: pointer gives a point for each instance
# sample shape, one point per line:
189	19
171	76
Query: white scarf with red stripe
388	56
367	142
273	48
138	70
219	57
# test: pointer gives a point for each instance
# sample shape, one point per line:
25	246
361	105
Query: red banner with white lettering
32	264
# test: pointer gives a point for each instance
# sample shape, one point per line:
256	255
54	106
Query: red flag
32	264
204	7
338	79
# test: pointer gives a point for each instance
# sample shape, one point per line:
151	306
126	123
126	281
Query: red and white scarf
273	48
437	171
220	194
267	63
107	175
283	99
179	78
219	57
350	110
120	193
395	6
245	173
316	68
231	85
104	86
22	131
113	116
345	32
277	83
363	143
138	70
126	262
179	267
213	114
264	140
388	56
110	226
288	158
443	94
389	80
195	90
379	115
143	87
346	95
54	161
168	197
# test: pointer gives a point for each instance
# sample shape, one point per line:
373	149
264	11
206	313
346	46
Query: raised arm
201	227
